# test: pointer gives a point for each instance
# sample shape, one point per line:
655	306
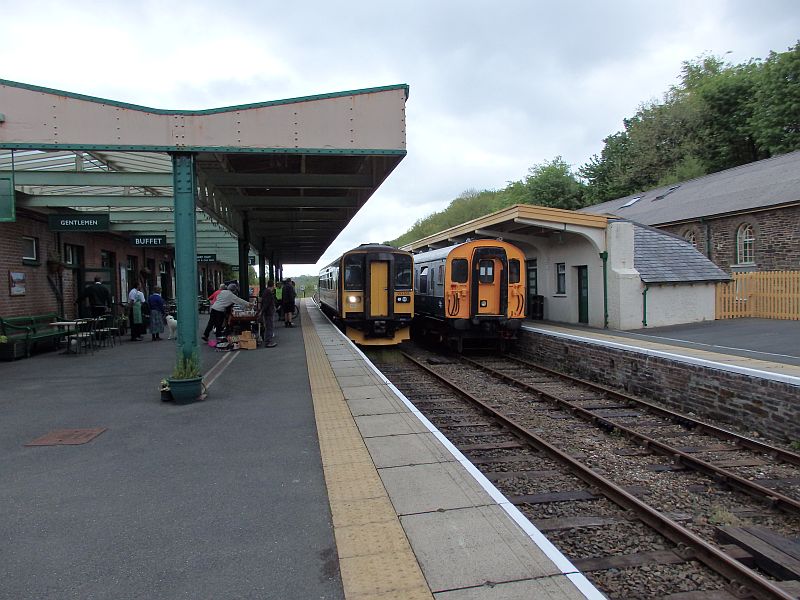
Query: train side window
460	270
486	271
440	275
513	271
423	280
354	272
402	278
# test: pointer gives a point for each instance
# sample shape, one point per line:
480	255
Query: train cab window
354	272
460	270
486	271
423	280
402	278
513	271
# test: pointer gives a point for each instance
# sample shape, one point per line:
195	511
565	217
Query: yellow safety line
375	558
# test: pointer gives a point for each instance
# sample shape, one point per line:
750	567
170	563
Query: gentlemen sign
149	240
206	258
78	222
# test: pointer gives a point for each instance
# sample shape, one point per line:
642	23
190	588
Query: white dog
172	325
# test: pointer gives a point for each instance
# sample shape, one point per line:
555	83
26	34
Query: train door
489	270
583	295
379	288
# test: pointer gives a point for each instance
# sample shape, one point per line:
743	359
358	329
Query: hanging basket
55	267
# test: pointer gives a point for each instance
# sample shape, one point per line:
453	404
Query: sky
495	87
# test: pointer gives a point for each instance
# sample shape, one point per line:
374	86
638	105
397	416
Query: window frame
745	244
35	242
561	279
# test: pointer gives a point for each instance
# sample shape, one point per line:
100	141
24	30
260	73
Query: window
513	271
561	278
486	271
354	272
440	275
107	259
72	254
30	248
460	270
745	244
402	266
423	280
691	237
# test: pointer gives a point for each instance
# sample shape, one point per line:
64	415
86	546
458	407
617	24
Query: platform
304	475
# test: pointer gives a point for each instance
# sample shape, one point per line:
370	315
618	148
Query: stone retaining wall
752	404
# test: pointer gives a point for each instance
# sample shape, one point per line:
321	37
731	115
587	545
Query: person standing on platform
267	314
99	298
135	302
288	303
157	316
279	298
225	299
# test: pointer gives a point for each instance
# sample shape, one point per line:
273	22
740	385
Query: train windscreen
402	266
354	272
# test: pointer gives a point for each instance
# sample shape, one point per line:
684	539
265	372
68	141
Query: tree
554	184
776	110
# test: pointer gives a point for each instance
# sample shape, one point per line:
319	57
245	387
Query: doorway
583	294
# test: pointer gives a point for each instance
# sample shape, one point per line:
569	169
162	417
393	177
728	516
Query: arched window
745	244
691	237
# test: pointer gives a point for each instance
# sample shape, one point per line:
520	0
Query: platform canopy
284	176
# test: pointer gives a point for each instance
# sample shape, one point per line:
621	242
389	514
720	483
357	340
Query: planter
13	349
55	267
166	396
186	391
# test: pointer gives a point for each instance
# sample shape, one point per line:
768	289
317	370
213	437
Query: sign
7	199
251	260
79	222
234	268
149	240
206	258
17	282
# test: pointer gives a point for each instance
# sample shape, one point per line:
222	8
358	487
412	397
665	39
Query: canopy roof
287	175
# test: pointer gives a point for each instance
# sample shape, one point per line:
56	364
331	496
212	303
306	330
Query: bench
24	333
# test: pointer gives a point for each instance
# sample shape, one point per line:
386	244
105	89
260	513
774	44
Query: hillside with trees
719	116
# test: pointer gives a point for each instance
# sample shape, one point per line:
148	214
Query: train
470	293
368	292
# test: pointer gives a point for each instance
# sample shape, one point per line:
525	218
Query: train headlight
353	299
404	299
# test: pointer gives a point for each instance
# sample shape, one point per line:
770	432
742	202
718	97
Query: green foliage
554	184
776	106
3	339
187	367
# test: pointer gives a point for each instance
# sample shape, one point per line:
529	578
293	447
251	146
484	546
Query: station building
597	270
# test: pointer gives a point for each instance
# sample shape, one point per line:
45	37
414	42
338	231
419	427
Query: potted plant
55	264
163	388
186	382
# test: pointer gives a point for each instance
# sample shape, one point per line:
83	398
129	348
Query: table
68	327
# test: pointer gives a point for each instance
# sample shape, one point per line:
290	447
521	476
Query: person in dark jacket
288	303
266	312
99	298
157	314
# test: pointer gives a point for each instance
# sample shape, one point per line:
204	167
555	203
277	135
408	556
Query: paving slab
377	404
389	424
557	587
402	450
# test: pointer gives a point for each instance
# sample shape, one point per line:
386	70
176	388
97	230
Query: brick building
743	219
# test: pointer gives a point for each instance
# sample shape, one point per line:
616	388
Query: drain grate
67	437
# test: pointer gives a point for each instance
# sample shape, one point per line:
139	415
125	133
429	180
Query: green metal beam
92	178
292	201
162	226
60	201
288	180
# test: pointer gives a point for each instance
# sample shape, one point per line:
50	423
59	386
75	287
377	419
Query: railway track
625	507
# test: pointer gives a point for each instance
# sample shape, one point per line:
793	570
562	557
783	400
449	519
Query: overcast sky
496	87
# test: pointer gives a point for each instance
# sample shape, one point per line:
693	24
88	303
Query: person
267	314
279	298
157	314
225	299
99	298
135	302
212	298
288	303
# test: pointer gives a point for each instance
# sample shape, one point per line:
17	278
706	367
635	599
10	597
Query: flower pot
186	391
166	396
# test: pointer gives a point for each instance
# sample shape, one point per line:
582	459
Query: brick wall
41	287
777	243
744	402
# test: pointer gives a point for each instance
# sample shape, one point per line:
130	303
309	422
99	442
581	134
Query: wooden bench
24	333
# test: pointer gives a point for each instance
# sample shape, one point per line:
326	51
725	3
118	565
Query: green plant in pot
186	382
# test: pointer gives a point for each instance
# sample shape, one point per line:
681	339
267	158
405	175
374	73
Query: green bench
24	333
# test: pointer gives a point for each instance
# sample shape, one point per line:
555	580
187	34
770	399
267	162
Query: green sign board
79	222
7	199
251	260
149	240
206	258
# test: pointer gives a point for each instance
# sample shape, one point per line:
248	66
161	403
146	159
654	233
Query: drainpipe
708	237
604	256
644	305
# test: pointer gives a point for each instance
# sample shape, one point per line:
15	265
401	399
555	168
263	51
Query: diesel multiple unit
368	293
470	291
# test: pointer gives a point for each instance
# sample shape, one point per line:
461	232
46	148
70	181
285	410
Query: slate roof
771	182
661	257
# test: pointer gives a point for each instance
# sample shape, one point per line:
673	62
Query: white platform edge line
790	379
536	536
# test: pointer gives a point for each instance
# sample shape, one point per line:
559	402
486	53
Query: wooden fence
767	295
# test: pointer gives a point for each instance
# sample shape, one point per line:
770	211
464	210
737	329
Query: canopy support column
185	190
244	266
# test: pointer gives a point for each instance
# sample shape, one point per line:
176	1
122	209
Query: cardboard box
246	335
250	344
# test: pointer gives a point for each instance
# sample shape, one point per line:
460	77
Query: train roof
376	248
441	253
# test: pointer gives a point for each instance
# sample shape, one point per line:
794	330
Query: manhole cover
65	437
